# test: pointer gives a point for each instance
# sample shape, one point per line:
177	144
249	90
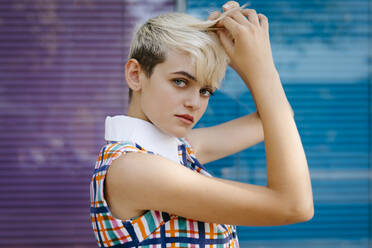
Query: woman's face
173	90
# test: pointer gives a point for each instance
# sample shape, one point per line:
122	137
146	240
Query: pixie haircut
182	33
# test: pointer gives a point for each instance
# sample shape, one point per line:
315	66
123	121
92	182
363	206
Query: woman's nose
193	99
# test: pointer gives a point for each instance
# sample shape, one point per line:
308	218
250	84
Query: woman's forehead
183	64
180	61
179	64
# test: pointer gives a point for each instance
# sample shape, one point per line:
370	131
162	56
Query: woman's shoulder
114	149
122	146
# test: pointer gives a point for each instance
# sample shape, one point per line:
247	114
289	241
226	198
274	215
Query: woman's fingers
252	15
226	41
264	22
238	16
230	5
214	15
244	36
231	25
236	13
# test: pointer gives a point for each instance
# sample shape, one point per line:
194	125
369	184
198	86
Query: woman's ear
132	74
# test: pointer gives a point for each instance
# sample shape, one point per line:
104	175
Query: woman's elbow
303	214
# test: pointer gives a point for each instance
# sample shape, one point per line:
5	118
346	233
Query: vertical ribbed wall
61	73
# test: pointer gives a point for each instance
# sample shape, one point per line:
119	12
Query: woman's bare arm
212	143
245	37
147	181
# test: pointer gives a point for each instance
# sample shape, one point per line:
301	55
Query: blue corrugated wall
322	50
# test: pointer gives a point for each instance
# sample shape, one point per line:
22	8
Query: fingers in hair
231	25
252	16
214	15
226	40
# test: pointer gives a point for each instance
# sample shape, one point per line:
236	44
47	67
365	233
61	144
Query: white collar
144	133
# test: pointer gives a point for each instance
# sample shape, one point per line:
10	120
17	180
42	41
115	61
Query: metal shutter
61	72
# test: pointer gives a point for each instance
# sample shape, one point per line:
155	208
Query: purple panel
61	72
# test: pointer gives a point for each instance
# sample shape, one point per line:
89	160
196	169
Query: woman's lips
186	118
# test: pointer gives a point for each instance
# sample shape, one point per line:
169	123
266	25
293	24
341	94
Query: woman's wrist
269	97
246	81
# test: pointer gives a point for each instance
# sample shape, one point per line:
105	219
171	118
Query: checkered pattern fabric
153	228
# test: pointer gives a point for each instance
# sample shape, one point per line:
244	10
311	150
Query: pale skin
138	182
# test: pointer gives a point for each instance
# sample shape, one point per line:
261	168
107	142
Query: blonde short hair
183	33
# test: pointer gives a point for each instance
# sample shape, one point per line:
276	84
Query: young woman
149	187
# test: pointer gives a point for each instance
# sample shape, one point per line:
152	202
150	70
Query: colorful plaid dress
153	228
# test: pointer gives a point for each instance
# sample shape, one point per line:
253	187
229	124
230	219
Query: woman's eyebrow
186	74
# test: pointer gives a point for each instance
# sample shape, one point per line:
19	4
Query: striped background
61	73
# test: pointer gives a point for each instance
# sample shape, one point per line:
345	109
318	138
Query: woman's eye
206	92
179	81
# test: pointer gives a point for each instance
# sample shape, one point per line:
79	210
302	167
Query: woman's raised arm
245	37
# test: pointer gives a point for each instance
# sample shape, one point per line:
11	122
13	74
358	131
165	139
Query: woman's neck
134	110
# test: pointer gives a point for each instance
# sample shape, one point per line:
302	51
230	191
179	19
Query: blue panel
323	55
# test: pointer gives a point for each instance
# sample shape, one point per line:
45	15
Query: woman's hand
246	42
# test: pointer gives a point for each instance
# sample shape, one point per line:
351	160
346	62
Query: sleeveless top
154	228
